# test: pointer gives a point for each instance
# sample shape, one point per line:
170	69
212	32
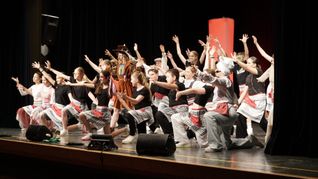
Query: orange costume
122	82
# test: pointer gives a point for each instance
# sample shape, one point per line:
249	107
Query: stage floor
249	160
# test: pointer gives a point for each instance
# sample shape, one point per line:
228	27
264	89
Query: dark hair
174	72
153	70
99	86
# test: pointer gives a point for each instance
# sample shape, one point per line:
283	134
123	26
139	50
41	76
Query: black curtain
295	80
90	26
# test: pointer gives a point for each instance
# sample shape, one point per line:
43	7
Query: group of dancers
195	103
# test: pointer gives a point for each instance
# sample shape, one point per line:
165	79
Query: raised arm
164	60
49	67
217	42
202	57
261	51
244	41
93	65
137	52
175	38
107	53
174	65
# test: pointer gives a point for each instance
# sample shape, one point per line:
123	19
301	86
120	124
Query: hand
169	55
178	95
188	52
107	52
135	47
244	38
48	65
175	38
201	43
15	79
234	57
86	58
36	65
162	48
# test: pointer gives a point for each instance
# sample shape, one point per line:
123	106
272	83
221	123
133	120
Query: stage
19	157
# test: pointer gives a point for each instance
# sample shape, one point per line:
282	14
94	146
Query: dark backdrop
88	27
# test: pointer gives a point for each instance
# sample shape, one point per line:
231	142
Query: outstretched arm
107	53
190	91
48	66
165	85
23	90
93	65
261	51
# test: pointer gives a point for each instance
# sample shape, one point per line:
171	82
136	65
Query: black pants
241	127
132	125
164	123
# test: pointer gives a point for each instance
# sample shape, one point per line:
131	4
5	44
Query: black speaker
102	142
38	133
155	144
49	28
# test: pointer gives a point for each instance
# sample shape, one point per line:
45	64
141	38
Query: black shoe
256	142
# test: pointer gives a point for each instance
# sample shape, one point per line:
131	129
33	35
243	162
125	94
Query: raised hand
169	55
175	38
188	52
15	79
48	65
244	38
107	52
135	46
36	65
254	39
162	48
86	58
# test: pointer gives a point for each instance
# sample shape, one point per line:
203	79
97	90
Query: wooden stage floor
185	163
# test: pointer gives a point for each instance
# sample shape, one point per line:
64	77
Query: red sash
57	110
249	101
158	95
222	108
97	113
76	107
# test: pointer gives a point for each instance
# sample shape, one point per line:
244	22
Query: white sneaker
87	137
63	133
183	145
130	139
158	131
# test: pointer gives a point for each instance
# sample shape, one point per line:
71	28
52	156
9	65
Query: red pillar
222	29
